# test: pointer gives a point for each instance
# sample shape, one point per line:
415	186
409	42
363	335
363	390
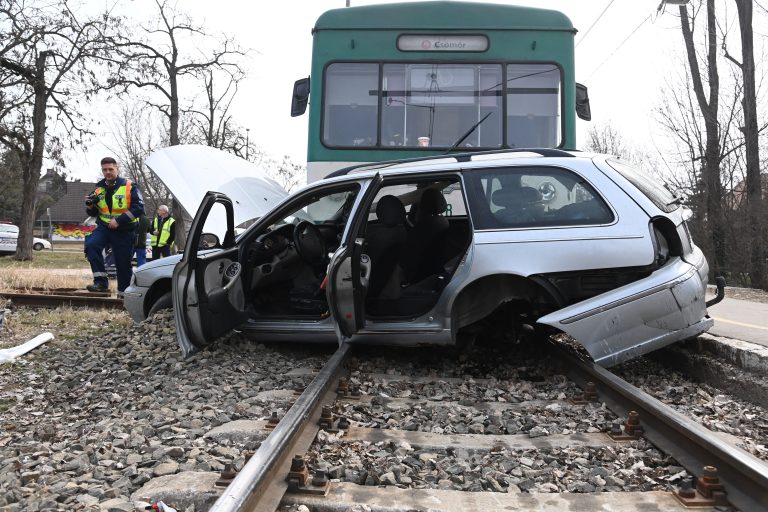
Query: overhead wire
593	24
618	47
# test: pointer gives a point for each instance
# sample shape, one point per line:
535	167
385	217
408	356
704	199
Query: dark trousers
122	250
160	252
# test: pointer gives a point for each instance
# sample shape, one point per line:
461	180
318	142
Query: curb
737	367
747	356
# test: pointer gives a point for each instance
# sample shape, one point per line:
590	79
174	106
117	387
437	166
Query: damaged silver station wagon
419	252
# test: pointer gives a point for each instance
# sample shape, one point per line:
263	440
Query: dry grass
71	258
48	269
66	323
29	278
52	270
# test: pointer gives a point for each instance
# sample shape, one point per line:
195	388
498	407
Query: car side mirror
209	241
582	103
300	97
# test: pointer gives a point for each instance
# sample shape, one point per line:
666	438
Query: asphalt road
740	319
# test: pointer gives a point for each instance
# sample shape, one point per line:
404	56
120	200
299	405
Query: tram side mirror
300	97
582	103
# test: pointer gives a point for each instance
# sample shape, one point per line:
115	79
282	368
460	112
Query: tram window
434	104
533	105
351	104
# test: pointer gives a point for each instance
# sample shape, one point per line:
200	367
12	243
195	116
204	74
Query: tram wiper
469	132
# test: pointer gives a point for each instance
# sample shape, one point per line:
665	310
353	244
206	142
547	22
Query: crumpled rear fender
667	306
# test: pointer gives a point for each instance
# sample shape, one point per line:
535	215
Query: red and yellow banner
71	232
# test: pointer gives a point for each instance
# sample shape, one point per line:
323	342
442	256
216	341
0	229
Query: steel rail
694	446
260	485
53	300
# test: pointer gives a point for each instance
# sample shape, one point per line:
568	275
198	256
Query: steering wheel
309	243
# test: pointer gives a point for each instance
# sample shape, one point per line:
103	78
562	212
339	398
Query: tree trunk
174	117
181	224
712	186
752	145
32	161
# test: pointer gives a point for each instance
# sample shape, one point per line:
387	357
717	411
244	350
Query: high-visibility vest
121	202
165	233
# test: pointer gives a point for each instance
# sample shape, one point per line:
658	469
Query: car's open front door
350	269
208	293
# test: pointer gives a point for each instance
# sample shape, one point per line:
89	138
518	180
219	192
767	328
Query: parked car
9	234
419	252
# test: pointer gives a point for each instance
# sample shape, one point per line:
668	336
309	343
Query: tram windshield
429	105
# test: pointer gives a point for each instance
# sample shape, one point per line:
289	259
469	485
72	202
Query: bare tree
44	55
755	208
138	133
287	173
682	120
214	124
162	56
166	53
605	138
708	104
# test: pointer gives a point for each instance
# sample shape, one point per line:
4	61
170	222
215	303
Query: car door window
527	197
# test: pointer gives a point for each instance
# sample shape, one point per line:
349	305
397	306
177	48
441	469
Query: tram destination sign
442	43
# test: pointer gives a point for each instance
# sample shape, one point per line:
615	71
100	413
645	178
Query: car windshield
318	209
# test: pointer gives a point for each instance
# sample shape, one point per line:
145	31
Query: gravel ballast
90	420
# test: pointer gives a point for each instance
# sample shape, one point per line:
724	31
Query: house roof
71	206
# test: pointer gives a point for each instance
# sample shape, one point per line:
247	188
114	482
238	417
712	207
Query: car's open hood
189	171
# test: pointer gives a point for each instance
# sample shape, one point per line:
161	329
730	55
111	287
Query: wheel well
158	289
481	298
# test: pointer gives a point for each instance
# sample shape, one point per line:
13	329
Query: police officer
117	204
163	233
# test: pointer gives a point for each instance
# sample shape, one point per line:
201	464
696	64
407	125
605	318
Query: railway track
58	297
293	465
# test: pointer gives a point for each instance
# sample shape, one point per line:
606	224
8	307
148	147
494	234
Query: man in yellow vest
117	205
163	233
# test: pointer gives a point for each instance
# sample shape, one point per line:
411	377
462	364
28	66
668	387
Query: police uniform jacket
127	220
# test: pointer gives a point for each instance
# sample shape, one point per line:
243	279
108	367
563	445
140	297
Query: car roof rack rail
460	157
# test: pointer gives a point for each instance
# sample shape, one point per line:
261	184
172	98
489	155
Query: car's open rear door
208	293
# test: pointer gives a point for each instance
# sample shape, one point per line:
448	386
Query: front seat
423	254
385	242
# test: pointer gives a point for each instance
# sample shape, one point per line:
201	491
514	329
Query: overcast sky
625	58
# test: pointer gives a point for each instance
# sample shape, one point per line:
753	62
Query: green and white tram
416	79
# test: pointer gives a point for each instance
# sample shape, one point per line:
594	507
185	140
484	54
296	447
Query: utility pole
247	142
